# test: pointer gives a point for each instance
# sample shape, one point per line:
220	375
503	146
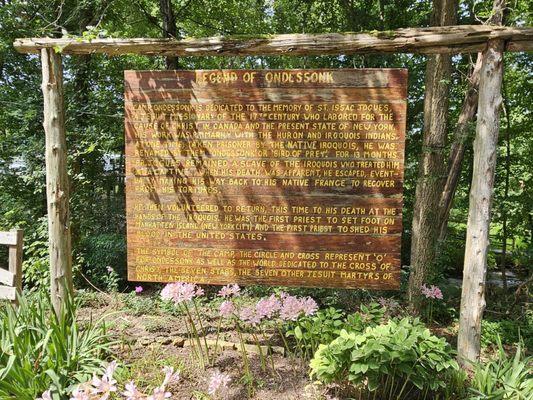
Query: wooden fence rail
11	279
442	39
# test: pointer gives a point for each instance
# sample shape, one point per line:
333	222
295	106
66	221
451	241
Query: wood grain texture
481	195
57	184
271	179
449	39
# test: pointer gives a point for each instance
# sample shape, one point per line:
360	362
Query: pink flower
218	382
109	269
104	386
248	315
131	392
432	292
227	308
309	306
110	370
160	393
267	307
79	394
291	308
171	377
138	289
45	396
229	290
180	292
437	293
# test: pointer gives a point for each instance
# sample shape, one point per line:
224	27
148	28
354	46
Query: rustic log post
477	233
15	261
57	187
462	129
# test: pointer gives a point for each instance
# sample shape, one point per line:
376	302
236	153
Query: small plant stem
270	348
204	333
197	337
283	338
190	335
243	349
261	355
216	341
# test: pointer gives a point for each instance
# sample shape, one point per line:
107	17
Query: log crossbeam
433	40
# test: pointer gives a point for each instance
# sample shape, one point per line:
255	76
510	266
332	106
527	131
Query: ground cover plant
39	349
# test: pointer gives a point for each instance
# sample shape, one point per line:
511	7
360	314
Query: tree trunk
170	29
462	130
57	185
432	171
477	233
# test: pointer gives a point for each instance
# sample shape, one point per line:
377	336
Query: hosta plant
397	360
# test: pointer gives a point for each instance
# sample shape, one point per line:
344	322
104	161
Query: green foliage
506	377
506	331
322	327
104	260
145	305
41	351
398	359
326	325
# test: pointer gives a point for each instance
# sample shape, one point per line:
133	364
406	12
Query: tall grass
39	350
504	378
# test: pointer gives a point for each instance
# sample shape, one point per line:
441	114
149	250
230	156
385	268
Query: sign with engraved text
281	177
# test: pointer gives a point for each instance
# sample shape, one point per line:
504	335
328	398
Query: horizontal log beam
447	39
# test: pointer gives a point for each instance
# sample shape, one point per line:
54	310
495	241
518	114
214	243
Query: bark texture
434	40
463	128
477	234
432	169
57	185
170	29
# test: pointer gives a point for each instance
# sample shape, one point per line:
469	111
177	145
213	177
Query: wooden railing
11	279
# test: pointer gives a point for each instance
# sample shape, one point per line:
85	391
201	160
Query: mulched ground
149	339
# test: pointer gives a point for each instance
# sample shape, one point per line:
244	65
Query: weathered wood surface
227	182
8	238
462	128
57	184
449	39
15	259
8	293
481	194
12	278
6	277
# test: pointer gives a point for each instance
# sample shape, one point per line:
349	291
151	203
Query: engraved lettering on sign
286	177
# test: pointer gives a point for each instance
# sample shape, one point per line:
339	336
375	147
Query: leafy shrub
39	350
326	325
508	331
104	259
508	378
36	267
320	328
399	359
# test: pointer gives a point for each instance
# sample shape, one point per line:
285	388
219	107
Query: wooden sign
281	177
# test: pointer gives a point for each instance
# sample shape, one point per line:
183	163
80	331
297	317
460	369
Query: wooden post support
57	189
15	261
11	279
477	233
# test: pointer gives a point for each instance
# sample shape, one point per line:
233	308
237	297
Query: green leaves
330	323
40	350
506	377
397	357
